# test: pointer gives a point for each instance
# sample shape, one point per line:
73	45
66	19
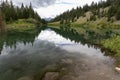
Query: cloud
35	3
53	10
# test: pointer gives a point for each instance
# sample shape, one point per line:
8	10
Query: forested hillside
109	9
14	16
98	23
11	12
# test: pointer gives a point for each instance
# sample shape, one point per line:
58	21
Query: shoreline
96	42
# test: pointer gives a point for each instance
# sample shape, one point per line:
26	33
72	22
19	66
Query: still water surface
50	50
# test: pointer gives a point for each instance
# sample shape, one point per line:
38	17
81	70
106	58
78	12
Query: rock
67	61
51	76
26	78
117	69
68	77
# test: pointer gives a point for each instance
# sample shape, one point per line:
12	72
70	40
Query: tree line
95	8
9	12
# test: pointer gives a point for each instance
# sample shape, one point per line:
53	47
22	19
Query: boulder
26	78
51	76
67	61
117	69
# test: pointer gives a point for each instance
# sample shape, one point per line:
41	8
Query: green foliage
74	14
22	25
118	14
92	18
2	25
65	25
97	10
19	18
98	32
105	35
12	13
113	44
54	24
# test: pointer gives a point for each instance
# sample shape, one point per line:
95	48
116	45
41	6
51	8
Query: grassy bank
21	25
54	24
113	44
105	34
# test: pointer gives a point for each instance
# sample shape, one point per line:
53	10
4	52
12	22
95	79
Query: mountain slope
109	9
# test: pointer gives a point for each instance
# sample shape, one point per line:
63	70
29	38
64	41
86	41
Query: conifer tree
12	12
118	14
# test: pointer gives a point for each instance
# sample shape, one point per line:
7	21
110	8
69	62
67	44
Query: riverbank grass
21	25
114	45
54	24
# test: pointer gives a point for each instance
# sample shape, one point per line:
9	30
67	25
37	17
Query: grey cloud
35	3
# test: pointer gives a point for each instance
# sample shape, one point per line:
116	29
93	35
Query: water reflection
28	59
32	55
26	54
75	37
12	38
53	37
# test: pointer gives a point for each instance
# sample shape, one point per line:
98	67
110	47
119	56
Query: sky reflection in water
49	48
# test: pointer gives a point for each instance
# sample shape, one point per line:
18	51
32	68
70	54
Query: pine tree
2	27
31	11
12	12
118	14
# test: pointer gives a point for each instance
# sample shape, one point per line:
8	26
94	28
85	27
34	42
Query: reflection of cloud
31	58
35	3
26	59
52	36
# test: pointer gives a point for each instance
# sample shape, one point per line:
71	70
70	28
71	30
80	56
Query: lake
47	55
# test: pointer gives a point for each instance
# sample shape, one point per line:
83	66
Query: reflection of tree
70	34
12	37
73	35
65	25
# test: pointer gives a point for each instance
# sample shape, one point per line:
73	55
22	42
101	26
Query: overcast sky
51	8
